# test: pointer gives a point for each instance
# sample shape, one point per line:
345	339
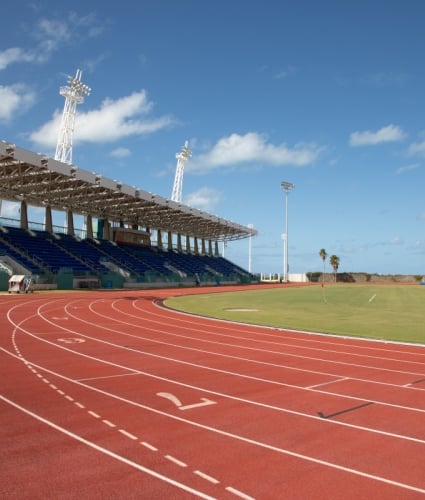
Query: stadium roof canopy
42	181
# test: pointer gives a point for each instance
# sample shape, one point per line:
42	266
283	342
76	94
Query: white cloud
407	168
419	246
417	149
396	240
112	121
285	73
120	153
205	199
385	79
14	55
390	133
50	36
14	99
252	148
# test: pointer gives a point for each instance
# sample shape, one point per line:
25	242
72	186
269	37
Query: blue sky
327	95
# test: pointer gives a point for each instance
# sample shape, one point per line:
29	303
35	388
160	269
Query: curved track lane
110	395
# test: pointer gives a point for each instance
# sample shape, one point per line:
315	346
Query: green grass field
390	312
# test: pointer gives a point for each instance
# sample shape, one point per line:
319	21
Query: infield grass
388	312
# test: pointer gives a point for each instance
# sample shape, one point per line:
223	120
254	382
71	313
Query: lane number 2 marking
71	340
179	404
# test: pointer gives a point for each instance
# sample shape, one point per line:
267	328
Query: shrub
313	276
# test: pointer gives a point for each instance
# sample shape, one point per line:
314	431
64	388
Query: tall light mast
286	186
182	158
74	94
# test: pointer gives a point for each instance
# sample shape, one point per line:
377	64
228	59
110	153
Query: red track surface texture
109	395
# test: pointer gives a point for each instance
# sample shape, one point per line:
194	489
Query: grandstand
132	238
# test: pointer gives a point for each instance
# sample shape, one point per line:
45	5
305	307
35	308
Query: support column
210	248
179	242
100	226
195	245
216	252
105	231
48	219
203	246
159	239
170	240
187	244
89	227
24	215
70	222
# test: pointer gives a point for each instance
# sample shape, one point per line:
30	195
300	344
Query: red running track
108	395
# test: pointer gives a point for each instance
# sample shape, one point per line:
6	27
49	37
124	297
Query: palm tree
323	256
334	262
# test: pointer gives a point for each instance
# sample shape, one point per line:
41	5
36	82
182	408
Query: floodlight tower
286	186
182	158
74	94
251	226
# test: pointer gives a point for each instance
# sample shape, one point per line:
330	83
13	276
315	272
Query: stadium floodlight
286	186
182	158
74	94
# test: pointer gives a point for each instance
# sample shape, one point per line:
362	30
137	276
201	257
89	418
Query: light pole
286	186
251	226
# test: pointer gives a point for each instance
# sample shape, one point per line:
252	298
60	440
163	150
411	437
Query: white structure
182	158
276	278
251	226
286	186
74	94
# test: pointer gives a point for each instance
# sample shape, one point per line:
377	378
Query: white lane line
80	405
207	477
148	446
225	325
116	331
127	434
327	383
108	452
234	398
329	361
175	460
152	448
239	493
373	296
107	377
108	423
252	441
241	438
211	369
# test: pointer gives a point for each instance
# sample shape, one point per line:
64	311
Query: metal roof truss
43	181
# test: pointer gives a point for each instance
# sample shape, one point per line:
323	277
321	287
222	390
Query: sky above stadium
328	95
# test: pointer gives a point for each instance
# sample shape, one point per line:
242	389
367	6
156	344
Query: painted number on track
179	404
71	341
